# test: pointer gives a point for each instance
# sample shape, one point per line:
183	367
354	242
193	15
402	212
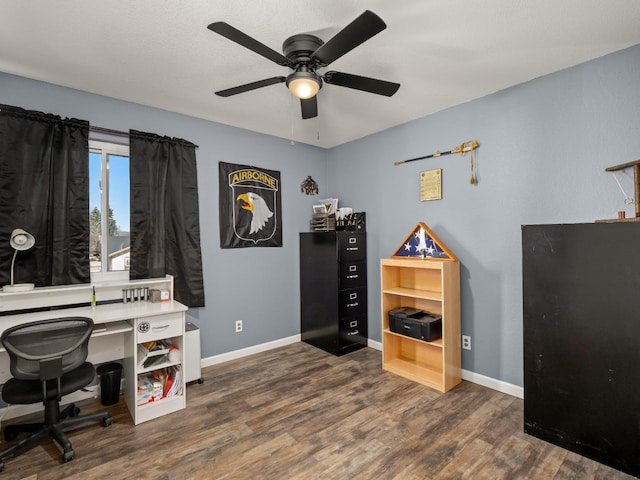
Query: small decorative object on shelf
330	205
309	186
140	294
353	222
622	217
423	243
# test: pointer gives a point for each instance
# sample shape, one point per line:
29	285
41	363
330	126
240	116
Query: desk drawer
158	327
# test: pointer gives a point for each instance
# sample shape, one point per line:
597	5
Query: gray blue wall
544	147
256	285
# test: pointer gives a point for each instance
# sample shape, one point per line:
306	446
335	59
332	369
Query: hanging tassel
473	170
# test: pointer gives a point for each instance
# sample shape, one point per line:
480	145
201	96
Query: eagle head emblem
259	209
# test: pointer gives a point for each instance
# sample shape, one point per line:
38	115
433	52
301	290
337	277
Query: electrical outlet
238	326
466	342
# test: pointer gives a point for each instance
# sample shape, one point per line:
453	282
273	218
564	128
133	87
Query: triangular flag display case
425	279
423	243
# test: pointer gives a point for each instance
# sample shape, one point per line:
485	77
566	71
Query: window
109	244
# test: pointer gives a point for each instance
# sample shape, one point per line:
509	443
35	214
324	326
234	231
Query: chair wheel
74	412
68	455
107	421
201	380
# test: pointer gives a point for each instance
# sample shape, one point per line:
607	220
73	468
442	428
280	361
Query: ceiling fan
305	54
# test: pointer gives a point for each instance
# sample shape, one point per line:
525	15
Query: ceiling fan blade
366	84
359	31
246	41
309	107
250	86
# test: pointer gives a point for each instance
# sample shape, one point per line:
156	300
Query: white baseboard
483	380
492	383
245	352
472	377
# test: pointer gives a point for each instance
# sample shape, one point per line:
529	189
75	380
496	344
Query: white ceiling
442	52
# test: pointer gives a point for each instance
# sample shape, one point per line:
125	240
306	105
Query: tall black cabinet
333	290
581	285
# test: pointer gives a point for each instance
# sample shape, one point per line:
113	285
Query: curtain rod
118	133
108	131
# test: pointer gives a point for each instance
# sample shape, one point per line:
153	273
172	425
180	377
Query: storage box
415	323
154	295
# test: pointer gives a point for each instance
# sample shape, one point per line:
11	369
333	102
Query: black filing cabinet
333	290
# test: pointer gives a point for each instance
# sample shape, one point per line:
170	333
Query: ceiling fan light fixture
304	54
304	85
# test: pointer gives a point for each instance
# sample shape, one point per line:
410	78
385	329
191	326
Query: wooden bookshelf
433	286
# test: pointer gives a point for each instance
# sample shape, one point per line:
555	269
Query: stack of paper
149	389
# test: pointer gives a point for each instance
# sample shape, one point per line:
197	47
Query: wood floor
299	413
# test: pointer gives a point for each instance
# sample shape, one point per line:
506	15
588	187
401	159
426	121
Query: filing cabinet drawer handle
355	332
352	249
352	276
352	304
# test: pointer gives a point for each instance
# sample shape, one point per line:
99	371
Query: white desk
114	338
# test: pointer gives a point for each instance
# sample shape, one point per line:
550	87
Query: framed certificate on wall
431	185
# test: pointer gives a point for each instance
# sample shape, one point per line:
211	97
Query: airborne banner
250	209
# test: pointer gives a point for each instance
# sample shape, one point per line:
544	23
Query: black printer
415	323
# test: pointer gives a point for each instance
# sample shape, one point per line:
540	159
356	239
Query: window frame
106	148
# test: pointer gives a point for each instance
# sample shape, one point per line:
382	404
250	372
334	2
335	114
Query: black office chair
48	360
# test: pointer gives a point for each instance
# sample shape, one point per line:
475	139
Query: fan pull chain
292	118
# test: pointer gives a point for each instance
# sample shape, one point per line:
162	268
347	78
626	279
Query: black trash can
110	375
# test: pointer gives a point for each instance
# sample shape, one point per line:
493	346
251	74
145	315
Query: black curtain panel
44	189
165	225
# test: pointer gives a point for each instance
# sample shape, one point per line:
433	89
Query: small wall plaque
431	185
